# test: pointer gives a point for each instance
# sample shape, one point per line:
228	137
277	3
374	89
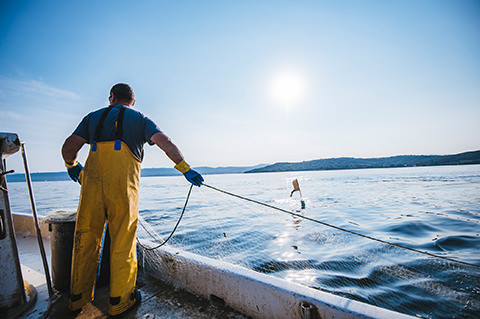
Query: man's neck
115	103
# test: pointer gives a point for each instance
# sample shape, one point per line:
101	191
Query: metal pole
35	217
12	291
306	309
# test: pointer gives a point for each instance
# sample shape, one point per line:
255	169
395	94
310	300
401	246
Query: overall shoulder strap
119	129
99	128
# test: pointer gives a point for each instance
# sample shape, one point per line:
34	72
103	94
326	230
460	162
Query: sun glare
287	88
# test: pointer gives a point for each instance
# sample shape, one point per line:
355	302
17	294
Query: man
110	183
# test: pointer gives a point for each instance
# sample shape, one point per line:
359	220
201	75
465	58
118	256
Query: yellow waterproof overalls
110	183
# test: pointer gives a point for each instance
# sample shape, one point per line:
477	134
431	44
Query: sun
287	88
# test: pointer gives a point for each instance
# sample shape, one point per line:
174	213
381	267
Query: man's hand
74	170
194	177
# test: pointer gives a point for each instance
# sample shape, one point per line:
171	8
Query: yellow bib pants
110	183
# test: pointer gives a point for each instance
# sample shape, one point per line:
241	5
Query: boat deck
159	300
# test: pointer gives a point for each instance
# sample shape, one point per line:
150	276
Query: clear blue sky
371	78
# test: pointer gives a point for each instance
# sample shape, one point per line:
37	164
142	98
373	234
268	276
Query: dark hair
123	92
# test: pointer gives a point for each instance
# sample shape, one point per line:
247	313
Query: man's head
122	93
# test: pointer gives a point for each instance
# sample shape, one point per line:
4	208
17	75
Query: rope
341	229
174	229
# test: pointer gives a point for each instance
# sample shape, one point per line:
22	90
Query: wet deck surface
159	300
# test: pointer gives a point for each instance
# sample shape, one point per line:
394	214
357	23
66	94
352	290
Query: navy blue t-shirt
137	128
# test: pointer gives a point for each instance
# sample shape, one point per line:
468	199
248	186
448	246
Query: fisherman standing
109	192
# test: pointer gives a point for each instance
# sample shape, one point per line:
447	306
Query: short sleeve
82	129
150	129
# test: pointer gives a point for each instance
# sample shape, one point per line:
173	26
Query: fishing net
303	248
60	216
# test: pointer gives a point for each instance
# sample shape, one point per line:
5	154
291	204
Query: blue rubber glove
74	170
193	177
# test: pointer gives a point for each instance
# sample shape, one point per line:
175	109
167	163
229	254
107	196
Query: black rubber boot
138	299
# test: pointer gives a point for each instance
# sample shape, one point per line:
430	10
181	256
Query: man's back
137	129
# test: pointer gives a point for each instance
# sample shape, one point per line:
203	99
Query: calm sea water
433	209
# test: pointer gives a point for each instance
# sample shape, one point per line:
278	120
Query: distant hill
204	170
227	169
382	162
39	177
146	172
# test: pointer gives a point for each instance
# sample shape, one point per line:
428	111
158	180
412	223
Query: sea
405	239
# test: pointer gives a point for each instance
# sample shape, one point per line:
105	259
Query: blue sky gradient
379	78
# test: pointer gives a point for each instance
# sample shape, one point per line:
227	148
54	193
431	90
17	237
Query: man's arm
173	152
70	148
166	144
